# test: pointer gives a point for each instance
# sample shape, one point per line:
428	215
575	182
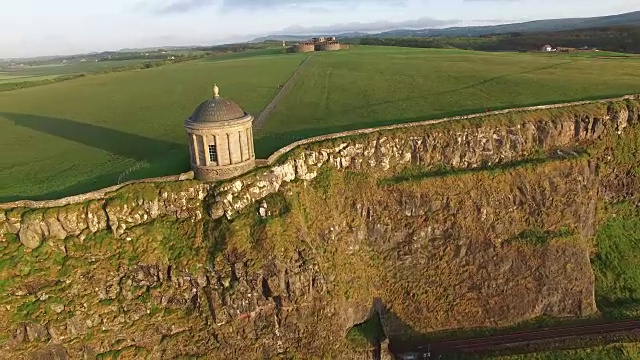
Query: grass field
81	134
616	351
369	86
617	263
6	78
71	68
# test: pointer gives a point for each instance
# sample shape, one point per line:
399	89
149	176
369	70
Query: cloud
260	4
185	6
174	6
421	23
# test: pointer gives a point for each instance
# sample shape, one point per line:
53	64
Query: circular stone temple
220	136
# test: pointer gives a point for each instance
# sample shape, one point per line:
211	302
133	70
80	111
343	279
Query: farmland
373	86
83	134
9	78
66	69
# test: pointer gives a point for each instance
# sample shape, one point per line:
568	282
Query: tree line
619	39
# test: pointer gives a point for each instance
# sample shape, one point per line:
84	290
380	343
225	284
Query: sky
62	27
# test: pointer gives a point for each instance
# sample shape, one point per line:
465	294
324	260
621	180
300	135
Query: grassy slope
79	135
72	68
617	263
8	78
369	86
618	351
84	133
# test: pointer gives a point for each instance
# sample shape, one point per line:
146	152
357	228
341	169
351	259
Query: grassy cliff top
84	134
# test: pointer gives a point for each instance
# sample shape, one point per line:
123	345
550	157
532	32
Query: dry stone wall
275	156
380	152
134	205
93	195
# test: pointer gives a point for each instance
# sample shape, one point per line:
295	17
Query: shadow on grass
418	173
117	142
619	308
160	157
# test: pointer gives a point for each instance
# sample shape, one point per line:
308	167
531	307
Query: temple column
215	140
205	144
251	149
229	148
241	147
247	135
195	156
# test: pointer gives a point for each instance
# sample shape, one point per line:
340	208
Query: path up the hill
264	115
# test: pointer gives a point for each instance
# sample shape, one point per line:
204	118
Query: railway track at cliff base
523	342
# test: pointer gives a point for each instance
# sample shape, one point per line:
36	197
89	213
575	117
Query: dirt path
264	115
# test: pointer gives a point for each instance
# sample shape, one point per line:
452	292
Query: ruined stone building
330	43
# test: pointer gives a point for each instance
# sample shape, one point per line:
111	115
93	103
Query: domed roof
217	109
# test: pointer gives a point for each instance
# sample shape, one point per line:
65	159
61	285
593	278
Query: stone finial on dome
216	91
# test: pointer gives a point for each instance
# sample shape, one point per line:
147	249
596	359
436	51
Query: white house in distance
548	48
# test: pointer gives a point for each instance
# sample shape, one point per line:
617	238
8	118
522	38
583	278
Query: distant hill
305	37
632	18
624	38
157	48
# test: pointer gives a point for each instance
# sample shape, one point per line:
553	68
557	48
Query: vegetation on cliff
617	263
617	351
324	249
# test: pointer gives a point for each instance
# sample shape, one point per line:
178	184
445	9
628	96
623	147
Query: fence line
93	195
274	157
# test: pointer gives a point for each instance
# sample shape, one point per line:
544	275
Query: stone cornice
218	124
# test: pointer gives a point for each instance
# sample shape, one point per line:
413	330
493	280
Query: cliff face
287	260
461	145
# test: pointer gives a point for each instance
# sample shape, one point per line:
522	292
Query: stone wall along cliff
465	144
130	206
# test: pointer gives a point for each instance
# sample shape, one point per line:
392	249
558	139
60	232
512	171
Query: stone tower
220	137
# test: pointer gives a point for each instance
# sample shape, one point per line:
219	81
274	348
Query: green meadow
76	67
610	352
79	135
372	86
6	78
88	133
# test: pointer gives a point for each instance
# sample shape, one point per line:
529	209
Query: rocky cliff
457	225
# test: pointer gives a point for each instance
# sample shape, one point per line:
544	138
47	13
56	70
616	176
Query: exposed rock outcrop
181	203
474	146
128	208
